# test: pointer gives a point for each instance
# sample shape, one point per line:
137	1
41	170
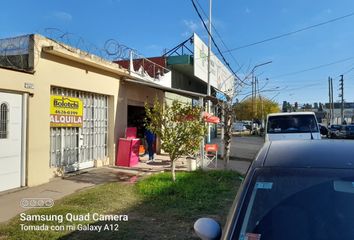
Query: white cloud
247	10
63	16
191	25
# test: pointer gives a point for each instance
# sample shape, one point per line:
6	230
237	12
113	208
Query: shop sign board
220	77
66	111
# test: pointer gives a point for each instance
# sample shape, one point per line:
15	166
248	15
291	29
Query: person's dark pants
151	150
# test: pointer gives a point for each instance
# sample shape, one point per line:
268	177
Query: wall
50	71
136	95
14	81
182	81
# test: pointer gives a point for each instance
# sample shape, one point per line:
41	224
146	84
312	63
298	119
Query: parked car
350	131
295	189
346	131
323	130
239	126
333	130
295	125
248	125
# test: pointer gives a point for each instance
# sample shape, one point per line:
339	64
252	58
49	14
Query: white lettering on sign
66	119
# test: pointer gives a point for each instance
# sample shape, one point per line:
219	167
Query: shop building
65	102
187	63
63	109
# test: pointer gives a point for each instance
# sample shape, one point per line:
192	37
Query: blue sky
154	25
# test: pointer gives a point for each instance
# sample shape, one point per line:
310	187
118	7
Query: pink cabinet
128	152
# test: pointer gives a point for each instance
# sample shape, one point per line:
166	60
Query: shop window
4	120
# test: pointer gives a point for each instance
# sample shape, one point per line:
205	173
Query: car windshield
299	204
336	127
292	124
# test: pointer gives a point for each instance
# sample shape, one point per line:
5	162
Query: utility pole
255	97
332	102
209	89
252	83
329	118
262	110
341	95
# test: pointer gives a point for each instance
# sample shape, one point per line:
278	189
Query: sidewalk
162	163
61	187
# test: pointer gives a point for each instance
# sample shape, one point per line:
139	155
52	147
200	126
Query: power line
217	47
313	68
291	33
348	71
222	41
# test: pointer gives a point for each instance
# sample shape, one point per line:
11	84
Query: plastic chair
211	155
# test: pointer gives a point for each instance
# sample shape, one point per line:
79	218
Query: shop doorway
136	118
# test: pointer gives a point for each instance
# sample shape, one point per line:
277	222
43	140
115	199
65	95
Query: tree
179	126
243	110
307	107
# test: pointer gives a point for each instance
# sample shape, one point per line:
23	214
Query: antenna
311	132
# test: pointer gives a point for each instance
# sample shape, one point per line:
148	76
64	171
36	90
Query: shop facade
59	111
64	110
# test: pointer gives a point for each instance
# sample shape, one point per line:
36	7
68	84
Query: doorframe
24	140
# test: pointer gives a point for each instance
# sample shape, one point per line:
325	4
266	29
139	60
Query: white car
295	125
239	126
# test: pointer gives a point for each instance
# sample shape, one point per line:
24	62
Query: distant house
336	118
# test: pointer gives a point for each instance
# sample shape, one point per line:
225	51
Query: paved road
244	147
243	150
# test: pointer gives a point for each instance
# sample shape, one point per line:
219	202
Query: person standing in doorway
150	139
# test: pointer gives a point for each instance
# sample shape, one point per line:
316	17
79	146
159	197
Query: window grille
79	145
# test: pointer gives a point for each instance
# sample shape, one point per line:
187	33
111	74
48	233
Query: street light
254	85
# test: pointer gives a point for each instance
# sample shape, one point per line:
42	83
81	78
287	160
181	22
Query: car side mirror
207	229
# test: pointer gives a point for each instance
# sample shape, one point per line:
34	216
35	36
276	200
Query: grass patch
157	207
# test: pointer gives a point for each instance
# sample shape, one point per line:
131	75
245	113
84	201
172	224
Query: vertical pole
209	53
203	140
342	99
262	110
222	127
255	96
252	97
329	117
131	66
24	139
332	102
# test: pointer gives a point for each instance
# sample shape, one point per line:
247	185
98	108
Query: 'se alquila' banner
65	111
